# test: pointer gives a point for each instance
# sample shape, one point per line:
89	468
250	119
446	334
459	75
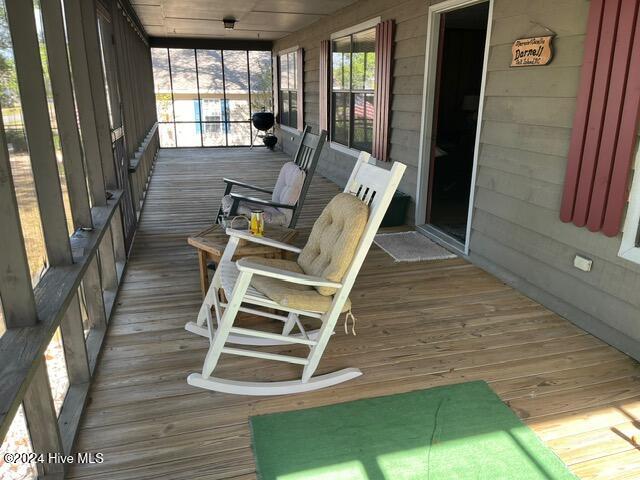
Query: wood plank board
419	325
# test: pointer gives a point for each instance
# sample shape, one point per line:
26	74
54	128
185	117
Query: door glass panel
185	85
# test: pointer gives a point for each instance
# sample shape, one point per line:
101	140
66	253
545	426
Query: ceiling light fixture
229	23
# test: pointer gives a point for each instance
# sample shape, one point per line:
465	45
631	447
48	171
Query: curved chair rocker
289	192
317	286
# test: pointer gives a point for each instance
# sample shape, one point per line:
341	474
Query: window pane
57	370
213	110
293	71
239	134
211	85
260	81
341	63
284	107
17	441
167	134
162	84
362	121
214	134
19	155
293	109
185	84
236	82
284	72
341	118
188	135
363	60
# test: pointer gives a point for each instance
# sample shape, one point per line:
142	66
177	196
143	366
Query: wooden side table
211	242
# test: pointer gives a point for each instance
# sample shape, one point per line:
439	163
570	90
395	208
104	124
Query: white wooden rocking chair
374	187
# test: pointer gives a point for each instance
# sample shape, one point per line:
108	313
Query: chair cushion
289	184
334	239
272	215
301	297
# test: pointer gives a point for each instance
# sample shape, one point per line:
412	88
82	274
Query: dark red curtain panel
300	85
382	102
325	69
606	119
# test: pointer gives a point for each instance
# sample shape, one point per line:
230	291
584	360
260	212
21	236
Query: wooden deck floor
419	325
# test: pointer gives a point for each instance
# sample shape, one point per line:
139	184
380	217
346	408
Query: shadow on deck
419	325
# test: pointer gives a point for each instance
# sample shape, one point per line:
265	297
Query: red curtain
606	119
384	78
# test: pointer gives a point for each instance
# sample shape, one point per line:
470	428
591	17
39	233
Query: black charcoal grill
263	122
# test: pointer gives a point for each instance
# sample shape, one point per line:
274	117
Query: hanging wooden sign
532	51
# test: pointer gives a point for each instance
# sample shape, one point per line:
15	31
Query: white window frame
629	249
293	49
366	25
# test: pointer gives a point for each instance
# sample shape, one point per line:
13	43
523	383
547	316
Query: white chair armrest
247	264
262	240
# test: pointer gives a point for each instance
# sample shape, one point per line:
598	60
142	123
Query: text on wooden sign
533	51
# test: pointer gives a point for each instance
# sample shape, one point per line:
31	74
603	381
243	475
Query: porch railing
75	296
141	166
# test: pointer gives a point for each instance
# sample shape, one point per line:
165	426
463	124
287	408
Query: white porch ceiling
256	19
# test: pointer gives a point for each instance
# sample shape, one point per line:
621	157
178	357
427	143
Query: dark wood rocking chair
306	159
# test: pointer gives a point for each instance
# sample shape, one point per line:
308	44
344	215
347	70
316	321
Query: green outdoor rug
454	432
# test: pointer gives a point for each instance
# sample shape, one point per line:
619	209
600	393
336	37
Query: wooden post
108	262
93	294
96	79
53	24
35	110
84	97
75	348
15	280
122	61
43	422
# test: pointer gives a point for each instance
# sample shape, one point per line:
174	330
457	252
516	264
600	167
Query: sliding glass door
205	98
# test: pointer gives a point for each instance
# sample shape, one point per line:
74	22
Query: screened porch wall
205	97
78	140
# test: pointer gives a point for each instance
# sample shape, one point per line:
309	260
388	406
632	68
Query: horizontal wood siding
525	139
525	142
410	18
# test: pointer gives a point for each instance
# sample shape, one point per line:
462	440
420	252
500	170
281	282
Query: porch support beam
35	110
96	79
84	98
63	98
16	292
